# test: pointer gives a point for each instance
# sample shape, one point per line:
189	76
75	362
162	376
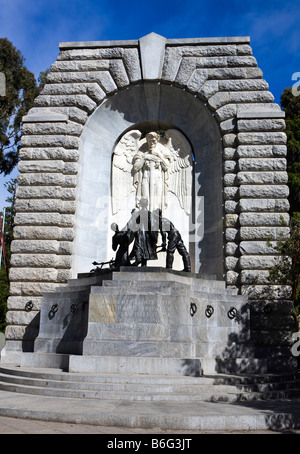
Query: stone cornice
170	42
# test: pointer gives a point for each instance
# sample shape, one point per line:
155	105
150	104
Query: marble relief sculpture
151	167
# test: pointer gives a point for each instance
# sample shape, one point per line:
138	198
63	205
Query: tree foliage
291	106
287	269
21	90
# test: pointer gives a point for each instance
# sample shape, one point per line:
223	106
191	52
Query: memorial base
145	321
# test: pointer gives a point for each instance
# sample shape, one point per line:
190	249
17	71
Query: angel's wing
122	183
180	172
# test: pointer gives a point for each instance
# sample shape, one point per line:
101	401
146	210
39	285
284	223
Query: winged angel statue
152	166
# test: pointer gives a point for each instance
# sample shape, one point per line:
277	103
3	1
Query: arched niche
152	106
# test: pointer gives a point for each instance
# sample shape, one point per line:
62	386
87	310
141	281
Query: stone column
45	207
263	208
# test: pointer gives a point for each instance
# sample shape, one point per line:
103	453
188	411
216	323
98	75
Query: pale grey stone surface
257	233
142	319
152	51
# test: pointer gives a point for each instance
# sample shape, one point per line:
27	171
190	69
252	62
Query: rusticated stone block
264	191
232	206
258	247
243	85
231	192
82	101
232	277
261	262
262	138
232	248
267	292
208	89
32	288
232	234
231	263
261	125
259	205
262	177
43	233
230	166
41	261
44	219
255	277
231	220
264	219
48	153
33	274
45	205
20	317
19	303
261	151
261	164
41	246
259	233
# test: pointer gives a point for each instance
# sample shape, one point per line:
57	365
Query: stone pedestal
147	320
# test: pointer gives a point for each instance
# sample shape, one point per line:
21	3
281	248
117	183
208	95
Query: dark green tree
287	269
20	91
291	106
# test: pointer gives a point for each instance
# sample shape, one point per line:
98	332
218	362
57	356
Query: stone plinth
159	314
147	320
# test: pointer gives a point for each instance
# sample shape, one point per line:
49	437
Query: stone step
149	274
88	281
96	285
150	384
129	385
127	396
137	289
137	388
140	285
164	288
155	273
57	373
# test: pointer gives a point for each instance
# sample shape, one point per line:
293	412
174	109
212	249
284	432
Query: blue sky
36	27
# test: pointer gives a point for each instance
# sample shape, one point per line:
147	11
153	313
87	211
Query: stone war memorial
152	177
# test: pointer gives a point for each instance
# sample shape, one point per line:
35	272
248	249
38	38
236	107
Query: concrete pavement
10	425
